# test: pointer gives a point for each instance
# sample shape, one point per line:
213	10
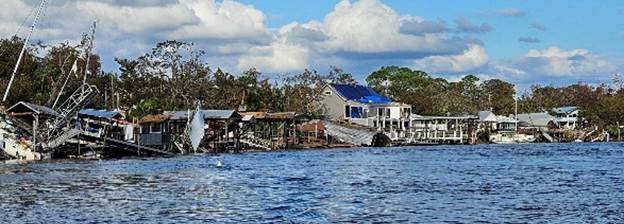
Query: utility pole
21	55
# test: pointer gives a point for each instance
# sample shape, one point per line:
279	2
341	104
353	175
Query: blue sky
524	42
594	25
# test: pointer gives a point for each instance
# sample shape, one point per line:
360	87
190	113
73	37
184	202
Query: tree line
174	76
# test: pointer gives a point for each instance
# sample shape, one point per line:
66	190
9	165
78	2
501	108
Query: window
356	112
388	112
380	112
347	111
328	93
155	128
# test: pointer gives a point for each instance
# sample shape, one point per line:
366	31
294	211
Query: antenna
21	55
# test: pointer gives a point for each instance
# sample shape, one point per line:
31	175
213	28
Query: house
96	123
497	123
31	114
441	129
566	117
536	120
362	105
154	131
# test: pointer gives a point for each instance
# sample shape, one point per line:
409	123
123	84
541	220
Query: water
554	183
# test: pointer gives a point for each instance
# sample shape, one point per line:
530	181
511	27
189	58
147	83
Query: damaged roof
109	115
22	106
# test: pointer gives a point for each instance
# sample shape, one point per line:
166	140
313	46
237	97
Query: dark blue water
554	183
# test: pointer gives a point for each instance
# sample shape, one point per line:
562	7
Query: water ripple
554	183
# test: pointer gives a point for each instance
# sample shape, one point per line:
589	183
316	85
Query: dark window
356	112
155	128
347	111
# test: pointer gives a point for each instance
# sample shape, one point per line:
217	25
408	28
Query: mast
516	113
21	55
89	42
90	46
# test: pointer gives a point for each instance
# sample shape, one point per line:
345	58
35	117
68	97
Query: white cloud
560	63
236	35
277	57
361	30
472	58
370	27
138	19
225	20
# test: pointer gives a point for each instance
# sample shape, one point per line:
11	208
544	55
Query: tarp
197	130
359	93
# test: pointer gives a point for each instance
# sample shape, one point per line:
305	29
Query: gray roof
535	119
39	109
208	114
487	116
109	115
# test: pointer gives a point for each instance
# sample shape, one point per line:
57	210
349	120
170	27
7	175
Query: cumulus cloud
531	40
465	26
236	34
472	58
137	19
277	57
556	62
368	26
225	20
361	30
511	12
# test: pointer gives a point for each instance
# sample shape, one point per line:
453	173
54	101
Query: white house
566	117
362	105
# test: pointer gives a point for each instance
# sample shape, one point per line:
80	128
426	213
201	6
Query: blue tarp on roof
359	93
109	115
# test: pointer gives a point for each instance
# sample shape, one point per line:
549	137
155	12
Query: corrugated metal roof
208	114
535	119
34	108
487	116
218	114
99	113
362	94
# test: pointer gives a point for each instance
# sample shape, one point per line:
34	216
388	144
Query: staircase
256	142
64	137
54	128
357	137
548	137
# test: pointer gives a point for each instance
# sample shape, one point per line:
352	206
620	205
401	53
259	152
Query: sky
524	42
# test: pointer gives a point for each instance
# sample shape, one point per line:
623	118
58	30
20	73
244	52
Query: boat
31	142
511	135
511	138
